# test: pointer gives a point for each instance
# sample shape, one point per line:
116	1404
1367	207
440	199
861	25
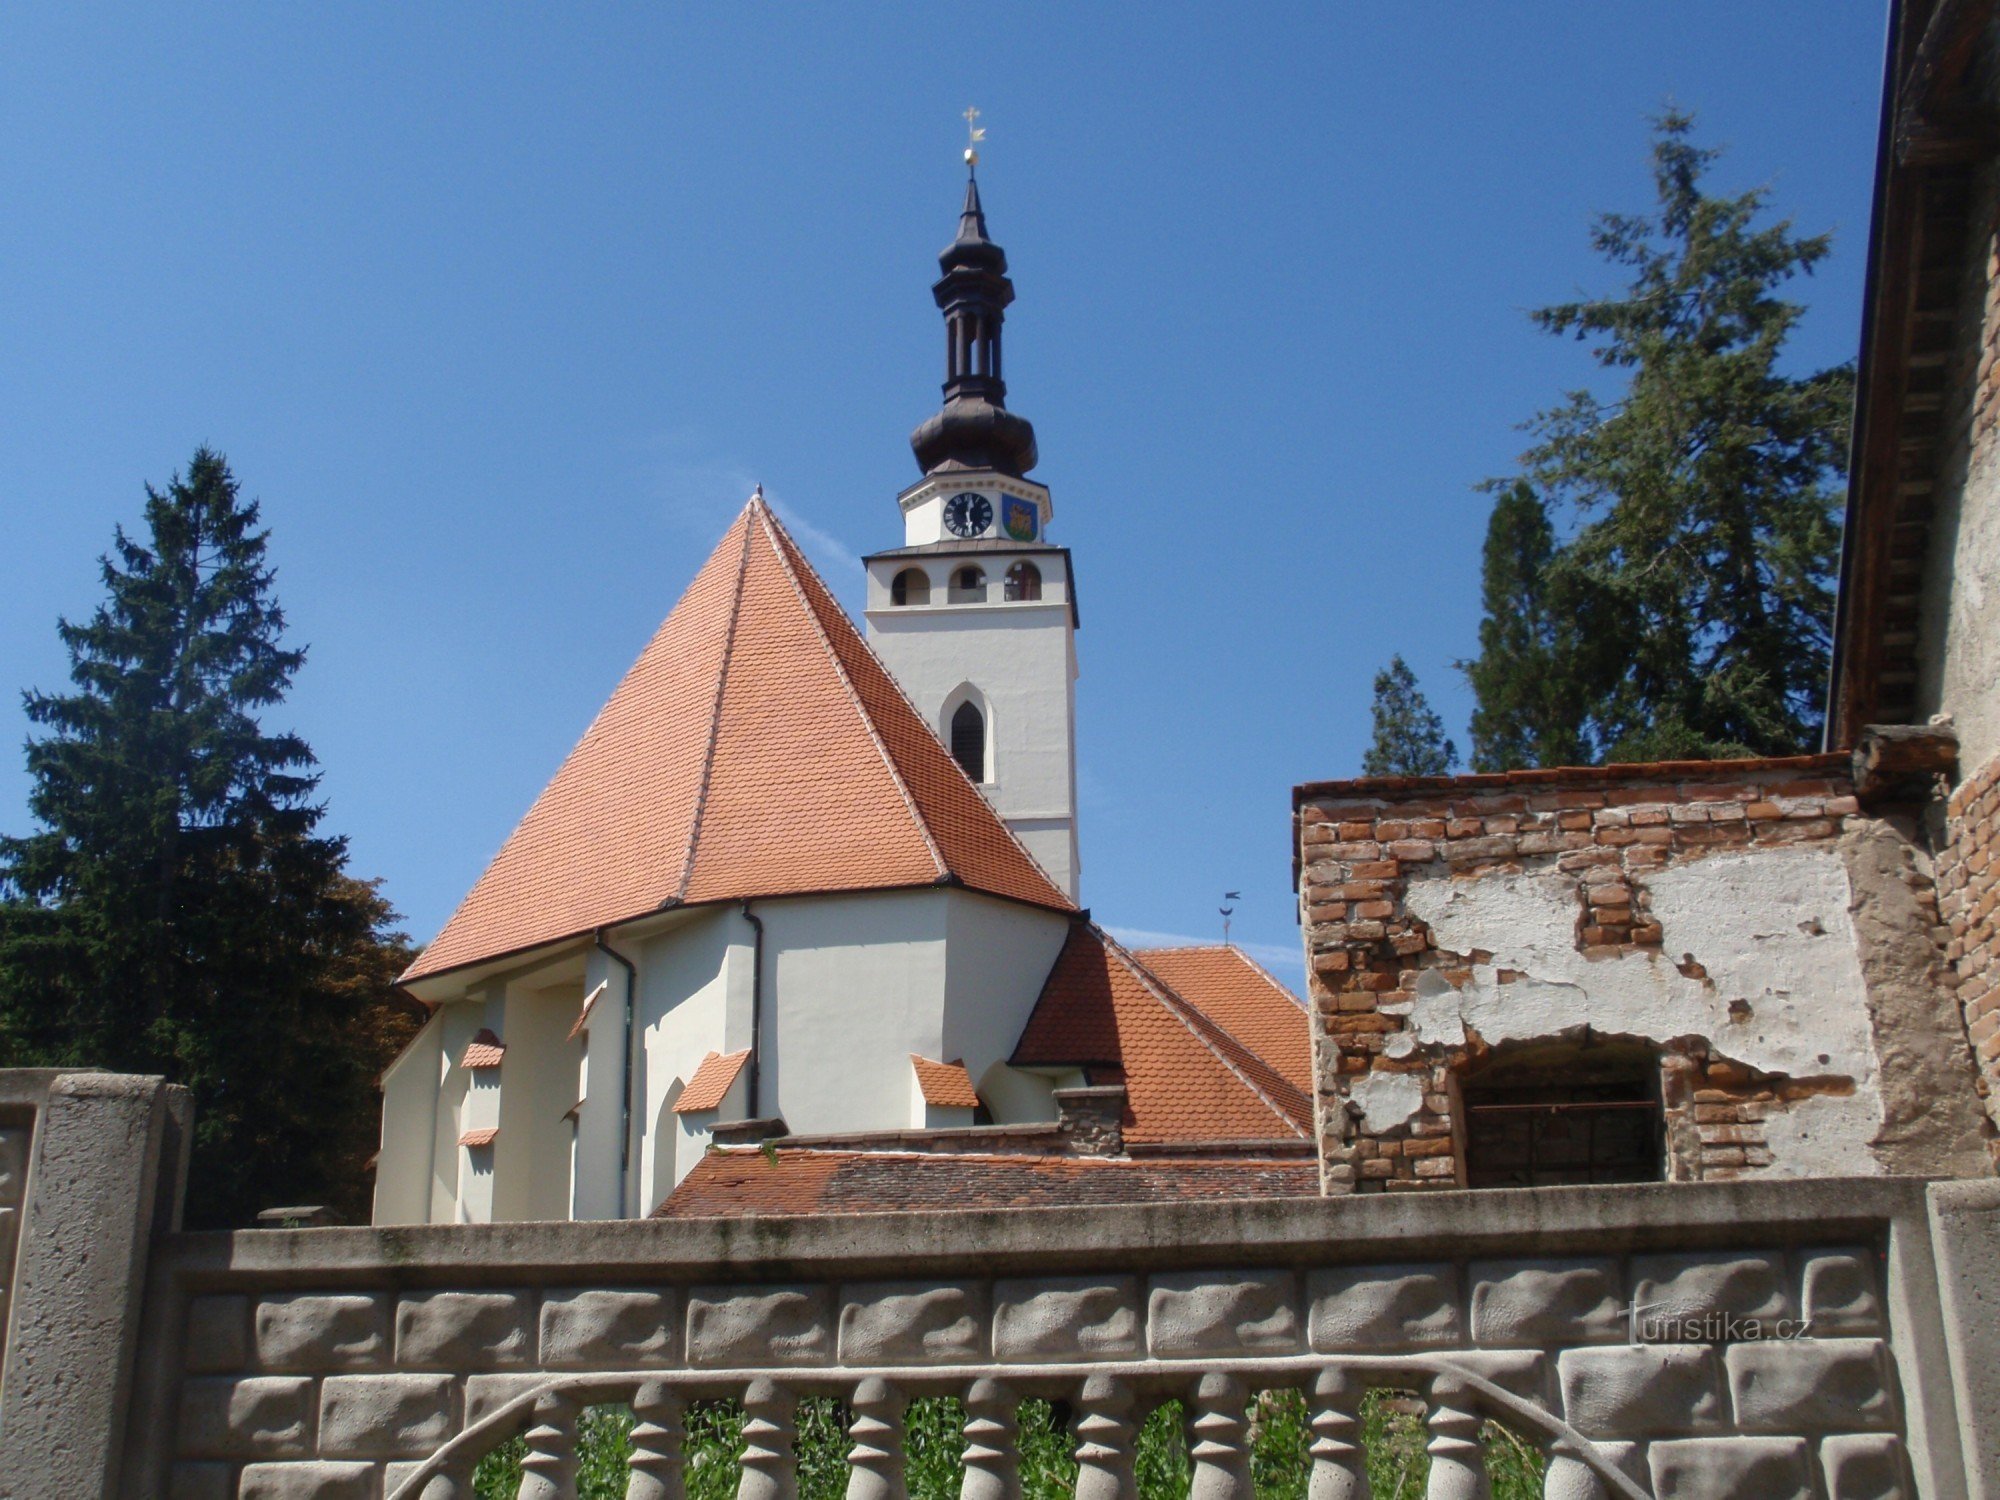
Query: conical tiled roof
758	747
1185	1077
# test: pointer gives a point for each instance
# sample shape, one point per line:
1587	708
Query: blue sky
502	310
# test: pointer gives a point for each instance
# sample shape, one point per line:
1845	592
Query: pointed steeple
974	430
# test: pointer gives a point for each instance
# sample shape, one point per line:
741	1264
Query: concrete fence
1835	1338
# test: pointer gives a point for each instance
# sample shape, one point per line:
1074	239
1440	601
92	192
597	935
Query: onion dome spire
974	430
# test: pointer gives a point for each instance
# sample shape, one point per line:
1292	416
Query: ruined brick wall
1968	877
1746	920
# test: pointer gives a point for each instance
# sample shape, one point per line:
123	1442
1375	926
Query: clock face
968	514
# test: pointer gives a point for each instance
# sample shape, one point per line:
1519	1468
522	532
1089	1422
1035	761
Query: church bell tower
976	612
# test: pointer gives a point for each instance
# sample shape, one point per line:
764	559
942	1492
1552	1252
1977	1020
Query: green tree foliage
179	911
1695	594
1409	736
1527	709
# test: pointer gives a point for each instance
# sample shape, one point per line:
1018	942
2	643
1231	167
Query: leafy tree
1528	709
1409	736
179	911
1704	555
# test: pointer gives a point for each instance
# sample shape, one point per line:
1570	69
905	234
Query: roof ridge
776	528
715	718
1272	979
1197	1021
896	687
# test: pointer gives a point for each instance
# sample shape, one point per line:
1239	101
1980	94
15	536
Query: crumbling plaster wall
1779	948
1779	988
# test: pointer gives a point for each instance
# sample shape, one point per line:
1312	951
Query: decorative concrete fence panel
1831	1340
1766	1372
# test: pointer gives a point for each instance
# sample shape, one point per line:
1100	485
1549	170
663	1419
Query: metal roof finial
974	134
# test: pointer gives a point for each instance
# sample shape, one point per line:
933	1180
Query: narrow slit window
968	740
1024	582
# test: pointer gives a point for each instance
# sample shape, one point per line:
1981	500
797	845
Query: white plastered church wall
537	1087
998	955
410	1089
694	999
853	985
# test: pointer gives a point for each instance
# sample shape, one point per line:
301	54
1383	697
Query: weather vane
1227	913
974	134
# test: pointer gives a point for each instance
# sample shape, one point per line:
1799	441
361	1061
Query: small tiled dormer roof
1241	997
485	1137
758	747
485	1050
711	1081
1186	1077
946	1085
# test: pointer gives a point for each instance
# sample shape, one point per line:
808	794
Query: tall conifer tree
1409	737
1704	491
1527	710
179	910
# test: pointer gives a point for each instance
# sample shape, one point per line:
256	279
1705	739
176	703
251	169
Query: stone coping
1324	1231
1388	788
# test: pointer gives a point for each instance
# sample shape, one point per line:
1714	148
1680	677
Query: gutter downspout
625	1092
756	1004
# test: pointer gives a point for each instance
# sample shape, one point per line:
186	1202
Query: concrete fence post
106	1172
1965	1230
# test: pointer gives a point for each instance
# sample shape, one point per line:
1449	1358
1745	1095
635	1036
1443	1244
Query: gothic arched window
1024	582
968	586
968	740
911	586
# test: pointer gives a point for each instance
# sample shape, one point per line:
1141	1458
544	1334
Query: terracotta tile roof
711	1082
945	1085
1241	997
731	1183
1186	1078
756	748
485	1050
485	1137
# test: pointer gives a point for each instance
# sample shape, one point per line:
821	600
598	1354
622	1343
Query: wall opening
1569	1112
911	586
968	586
968	740
1024	582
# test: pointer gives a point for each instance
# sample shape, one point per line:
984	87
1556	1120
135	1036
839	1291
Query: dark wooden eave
1931	143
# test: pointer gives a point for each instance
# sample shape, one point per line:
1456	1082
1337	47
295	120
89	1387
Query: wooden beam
1931	124
1902	762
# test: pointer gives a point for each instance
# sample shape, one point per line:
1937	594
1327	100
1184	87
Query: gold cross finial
974	135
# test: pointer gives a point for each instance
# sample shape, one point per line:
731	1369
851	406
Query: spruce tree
1703	491
1409	737
1528	710
179	910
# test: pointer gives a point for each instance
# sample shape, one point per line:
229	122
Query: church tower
976	612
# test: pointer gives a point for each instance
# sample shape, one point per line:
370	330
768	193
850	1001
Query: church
795	925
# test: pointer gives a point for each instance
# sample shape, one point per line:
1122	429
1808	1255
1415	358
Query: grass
1392	1428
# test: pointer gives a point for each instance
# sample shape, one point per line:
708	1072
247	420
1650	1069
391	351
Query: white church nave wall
695	998
852	986
410	1088
998	955
538	1084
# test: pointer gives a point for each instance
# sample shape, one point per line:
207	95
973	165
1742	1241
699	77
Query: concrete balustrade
1830	1339
1785	1349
